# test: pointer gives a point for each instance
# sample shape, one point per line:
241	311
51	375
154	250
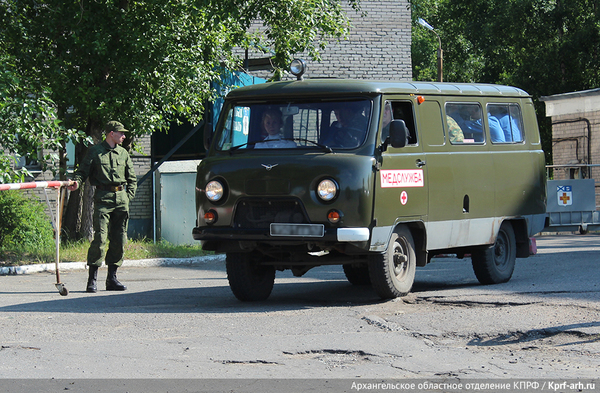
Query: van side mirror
398	133
208	131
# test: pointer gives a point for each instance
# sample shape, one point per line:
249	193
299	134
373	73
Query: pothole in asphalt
247	362
534	339
468	303
333	358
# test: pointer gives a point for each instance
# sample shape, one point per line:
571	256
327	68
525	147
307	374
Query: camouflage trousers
110	228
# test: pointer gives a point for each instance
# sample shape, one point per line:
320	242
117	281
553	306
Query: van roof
371	87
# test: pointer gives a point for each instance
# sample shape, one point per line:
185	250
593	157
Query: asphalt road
183	322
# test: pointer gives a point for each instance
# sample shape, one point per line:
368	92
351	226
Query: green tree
150	62
542	46
146	63
29	125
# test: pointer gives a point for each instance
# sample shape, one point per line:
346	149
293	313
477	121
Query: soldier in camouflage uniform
110	169
454	131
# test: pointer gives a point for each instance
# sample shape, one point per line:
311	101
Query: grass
77	252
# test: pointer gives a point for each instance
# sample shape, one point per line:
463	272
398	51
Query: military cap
114	126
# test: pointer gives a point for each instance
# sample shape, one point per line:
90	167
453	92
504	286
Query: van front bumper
338	235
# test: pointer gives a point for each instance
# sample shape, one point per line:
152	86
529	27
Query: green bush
24	224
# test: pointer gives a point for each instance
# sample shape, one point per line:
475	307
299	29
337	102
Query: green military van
376	176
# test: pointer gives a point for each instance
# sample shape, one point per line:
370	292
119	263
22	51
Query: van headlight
214	190
327	190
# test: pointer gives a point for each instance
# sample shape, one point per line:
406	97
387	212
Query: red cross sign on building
565	195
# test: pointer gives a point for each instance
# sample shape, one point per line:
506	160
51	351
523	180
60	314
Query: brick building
378	46
576	134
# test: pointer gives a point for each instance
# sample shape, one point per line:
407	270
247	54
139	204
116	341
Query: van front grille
259	214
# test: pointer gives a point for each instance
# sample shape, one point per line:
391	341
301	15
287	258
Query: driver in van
271	124
350	125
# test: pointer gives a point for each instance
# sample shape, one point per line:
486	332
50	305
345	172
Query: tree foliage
28	125
542	46
144	62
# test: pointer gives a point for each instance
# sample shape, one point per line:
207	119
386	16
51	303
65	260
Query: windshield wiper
324	147
234	148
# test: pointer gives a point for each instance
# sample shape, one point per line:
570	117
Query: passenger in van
474	122
468	118
455	133
271	123
511	129
398	111
507	124
387	119
496	131
514	118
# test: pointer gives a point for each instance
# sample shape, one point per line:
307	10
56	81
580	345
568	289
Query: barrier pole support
56	219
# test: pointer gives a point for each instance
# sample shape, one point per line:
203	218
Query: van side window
402	110
505	122
464	123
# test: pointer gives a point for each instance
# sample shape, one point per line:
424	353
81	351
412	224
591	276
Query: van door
461	184
401	184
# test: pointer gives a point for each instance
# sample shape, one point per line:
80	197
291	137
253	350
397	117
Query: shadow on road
543	274
215	299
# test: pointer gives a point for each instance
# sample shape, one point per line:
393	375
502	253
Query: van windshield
294	125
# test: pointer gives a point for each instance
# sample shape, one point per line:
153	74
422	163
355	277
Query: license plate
304	230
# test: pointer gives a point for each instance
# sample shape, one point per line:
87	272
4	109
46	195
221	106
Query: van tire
495	264
393	271
357	274
248	280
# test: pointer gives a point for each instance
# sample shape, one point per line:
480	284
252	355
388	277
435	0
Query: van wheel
393	272
247	279
495	264
357	274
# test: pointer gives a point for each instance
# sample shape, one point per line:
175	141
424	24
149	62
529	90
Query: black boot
93	275
112	284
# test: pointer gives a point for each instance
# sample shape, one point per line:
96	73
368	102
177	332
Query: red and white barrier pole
35	184
58	185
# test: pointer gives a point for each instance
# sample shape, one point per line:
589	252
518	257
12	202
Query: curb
154	262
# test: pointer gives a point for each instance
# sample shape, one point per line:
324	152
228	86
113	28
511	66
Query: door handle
420	164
